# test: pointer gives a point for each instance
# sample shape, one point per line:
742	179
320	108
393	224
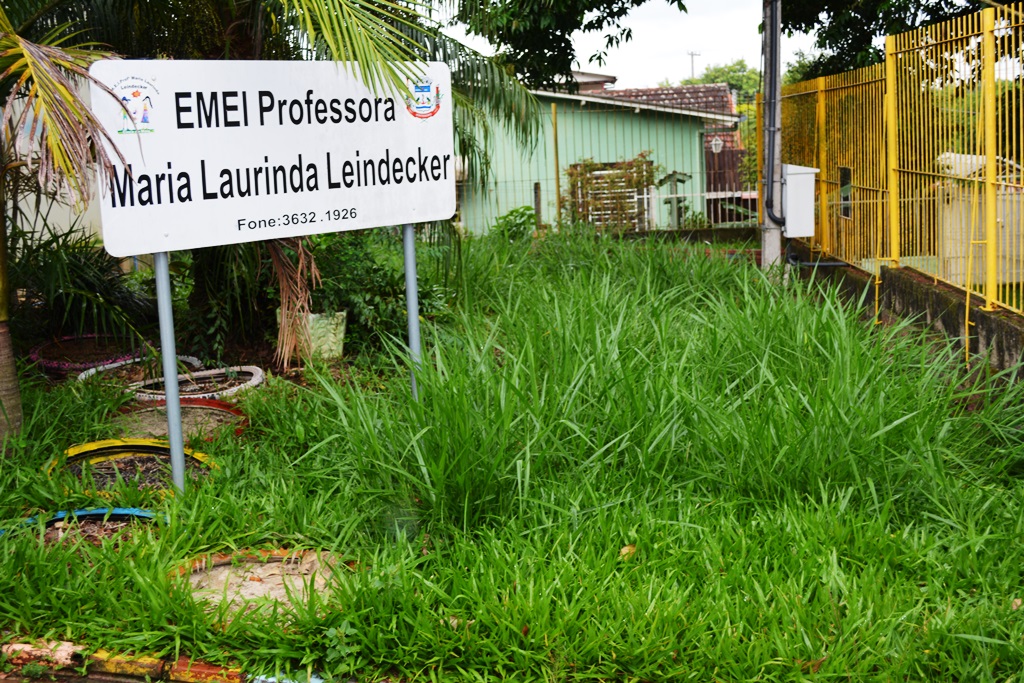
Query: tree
49	141
848	33
534	36
737	75
800	68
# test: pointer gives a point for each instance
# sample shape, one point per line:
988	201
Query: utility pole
771	190
693	72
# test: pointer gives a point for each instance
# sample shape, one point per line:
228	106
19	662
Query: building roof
713	97
606	97
588	80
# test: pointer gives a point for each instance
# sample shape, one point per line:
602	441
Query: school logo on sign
425	100
137	109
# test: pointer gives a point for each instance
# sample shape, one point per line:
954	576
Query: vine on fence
611	196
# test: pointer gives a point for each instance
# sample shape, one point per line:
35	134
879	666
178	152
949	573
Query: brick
102	661
184	671
50	653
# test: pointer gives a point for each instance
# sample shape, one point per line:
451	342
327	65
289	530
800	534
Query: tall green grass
809	496
645	368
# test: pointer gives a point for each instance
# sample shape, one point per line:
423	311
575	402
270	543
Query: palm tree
46	45
49	142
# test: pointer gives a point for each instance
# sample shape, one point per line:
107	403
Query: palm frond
43	112
24	13
491	88
376	36
484	95
473	136
296	300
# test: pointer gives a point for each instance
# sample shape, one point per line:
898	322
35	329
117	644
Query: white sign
222	152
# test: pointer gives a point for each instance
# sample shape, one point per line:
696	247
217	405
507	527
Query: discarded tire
216	384
145	461
193	364
93	514
73	354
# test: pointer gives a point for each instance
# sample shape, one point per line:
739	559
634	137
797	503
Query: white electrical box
798	200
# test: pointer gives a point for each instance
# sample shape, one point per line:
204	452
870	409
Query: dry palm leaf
293	331
44	114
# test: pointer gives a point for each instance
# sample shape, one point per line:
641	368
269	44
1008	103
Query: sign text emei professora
223	152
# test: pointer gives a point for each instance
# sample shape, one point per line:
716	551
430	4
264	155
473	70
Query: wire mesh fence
625	161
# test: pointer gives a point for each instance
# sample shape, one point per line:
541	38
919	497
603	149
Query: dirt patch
91	531
143	470
248	584
197	421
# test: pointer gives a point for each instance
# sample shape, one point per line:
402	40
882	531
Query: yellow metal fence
921	156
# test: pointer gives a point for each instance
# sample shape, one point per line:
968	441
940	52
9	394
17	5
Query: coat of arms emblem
425	100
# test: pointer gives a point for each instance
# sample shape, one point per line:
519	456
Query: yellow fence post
558	194
988	91
822	232
892	151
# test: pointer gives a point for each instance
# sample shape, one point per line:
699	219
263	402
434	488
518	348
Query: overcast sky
721	31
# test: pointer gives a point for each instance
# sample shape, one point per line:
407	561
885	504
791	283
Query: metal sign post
170	363
412	302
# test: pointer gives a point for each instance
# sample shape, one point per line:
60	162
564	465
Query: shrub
517	224
231	297
362	272
70	285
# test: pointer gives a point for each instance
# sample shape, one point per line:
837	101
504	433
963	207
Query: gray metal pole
771	230
170	362
412	302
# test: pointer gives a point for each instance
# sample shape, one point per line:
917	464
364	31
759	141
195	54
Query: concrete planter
326	334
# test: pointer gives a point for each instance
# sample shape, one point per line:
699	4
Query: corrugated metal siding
603	133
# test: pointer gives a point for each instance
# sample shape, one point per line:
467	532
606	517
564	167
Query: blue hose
87	513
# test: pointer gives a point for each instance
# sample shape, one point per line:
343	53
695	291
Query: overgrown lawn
629	462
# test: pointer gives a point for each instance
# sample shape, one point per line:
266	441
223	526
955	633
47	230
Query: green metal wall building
604	130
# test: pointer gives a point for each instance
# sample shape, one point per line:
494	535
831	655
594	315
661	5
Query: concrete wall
997	335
